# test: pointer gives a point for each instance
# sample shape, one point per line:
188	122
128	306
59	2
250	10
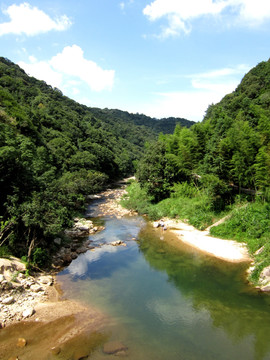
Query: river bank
227	250
68	326
35	321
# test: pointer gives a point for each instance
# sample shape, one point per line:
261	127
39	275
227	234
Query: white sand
228	250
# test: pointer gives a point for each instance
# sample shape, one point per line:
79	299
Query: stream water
167	301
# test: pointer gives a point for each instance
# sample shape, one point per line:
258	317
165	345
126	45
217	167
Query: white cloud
71	62
69	69
29	20
206	88
43	71
180	13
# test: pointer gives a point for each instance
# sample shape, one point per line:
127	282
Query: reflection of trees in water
215	286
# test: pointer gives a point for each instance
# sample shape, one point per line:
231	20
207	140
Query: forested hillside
53	152
218	165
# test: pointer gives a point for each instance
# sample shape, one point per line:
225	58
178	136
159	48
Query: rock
46	280
21	342
265	275
117	243
2	278
81	250
28	313
13	358
21	276
36	288
67	259
93	197
156	224
114	347
57	241
55	350
260	250
9	300
265	288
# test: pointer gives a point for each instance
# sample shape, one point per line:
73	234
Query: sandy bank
58	327
227	250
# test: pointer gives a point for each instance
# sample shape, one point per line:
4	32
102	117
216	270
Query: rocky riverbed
34	300
20	293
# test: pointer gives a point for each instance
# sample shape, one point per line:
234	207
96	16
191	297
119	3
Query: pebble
7	301
21	342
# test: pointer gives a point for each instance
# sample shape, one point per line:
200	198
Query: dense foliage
53	152
225	159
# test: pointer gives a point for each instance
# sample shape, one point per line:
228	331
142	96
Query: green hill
54	151
217	167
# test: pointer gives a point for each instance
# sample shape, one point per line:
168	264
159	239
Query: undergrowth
248	222
186	203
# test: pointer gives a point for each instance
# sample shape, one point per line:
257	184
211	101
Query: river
166	300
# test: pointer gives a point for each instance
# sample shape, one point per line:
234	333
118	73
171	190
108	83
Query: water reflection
170	302
213	286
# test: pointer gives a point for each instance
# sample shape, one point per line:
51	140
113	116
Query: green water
166	300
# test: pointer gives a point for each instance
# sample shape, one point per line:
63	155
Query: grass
186	202
248	222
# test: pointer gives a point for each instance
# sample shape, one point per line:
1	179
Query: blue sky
161	57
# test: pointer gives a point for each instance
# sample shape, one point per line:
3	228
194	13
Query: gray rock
57	241
81	250
265	273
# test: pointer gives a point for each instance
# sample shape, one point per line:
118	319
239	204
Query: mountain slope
54	151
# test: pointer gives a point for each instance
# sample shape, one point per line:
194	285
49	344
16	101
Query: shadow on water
213	285
169	301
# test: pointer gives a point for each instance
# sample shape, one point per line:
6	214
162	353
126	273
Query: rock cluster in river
70	251
112	207
82	227
20	293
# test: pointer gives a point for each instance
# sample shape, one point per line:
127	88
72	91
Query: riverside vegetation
53	153
219	167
